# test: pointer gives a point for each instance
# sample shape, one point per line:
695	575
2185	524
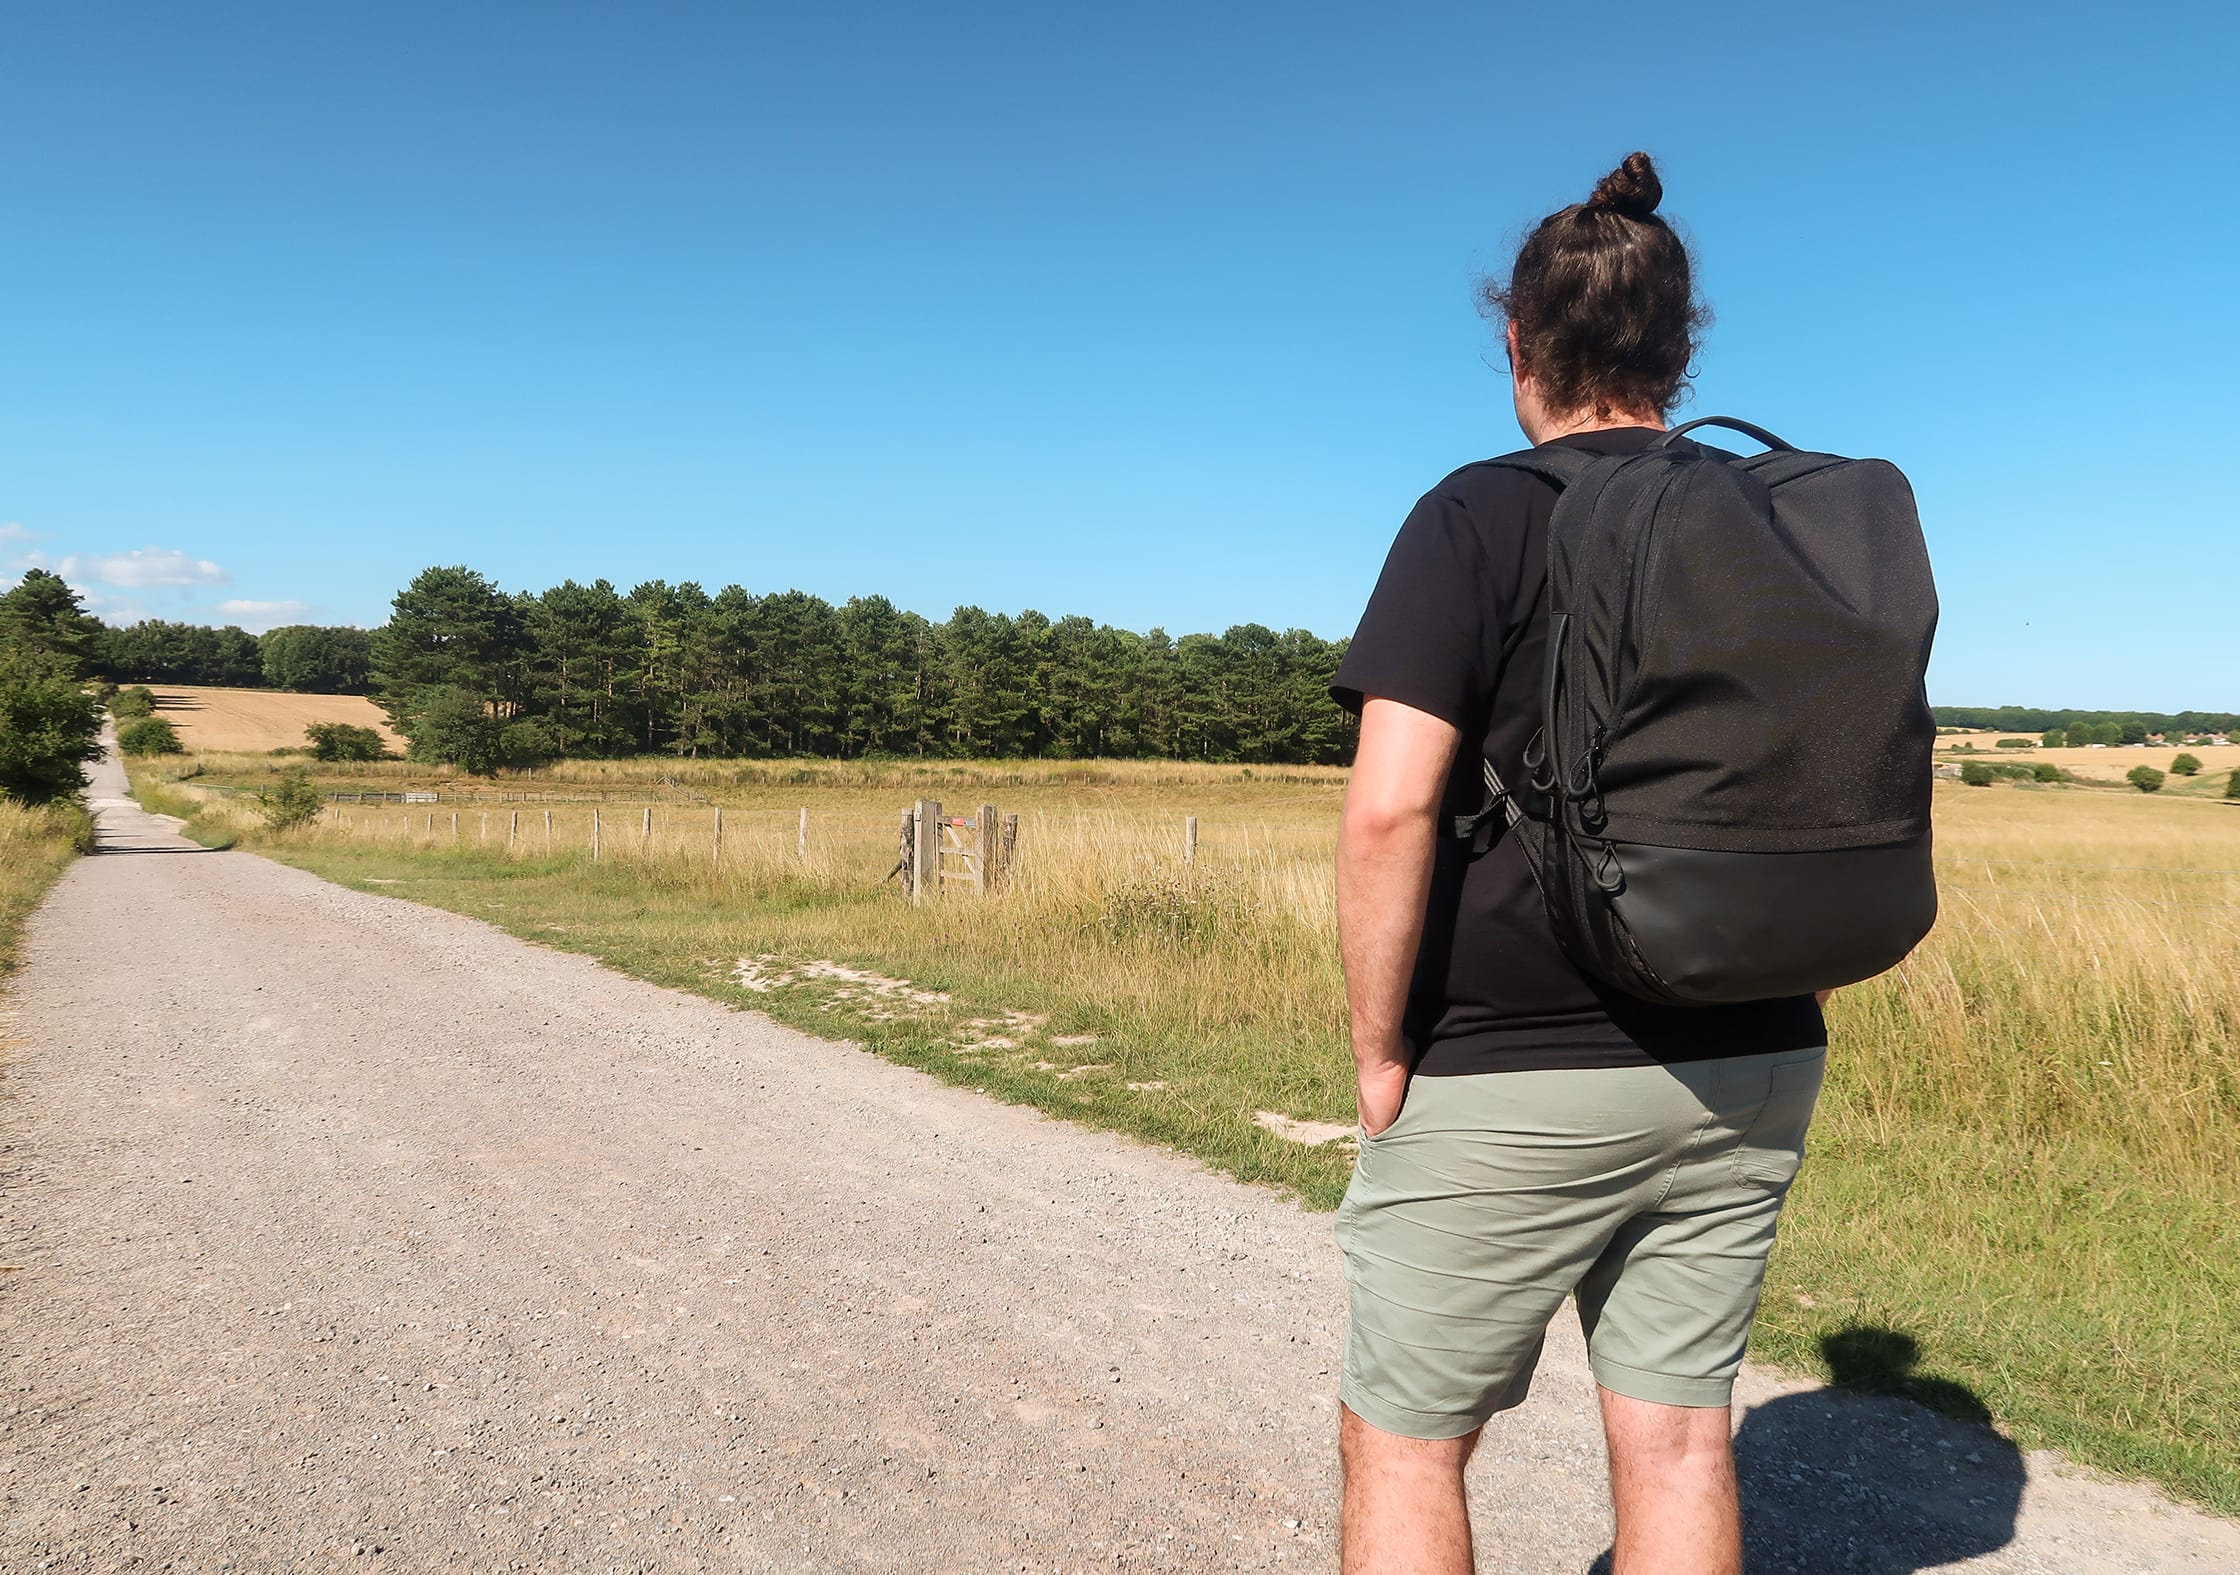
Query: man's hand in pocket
1379	1088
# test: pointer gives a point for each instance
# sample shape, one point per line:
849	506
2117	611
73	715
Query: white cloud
15	538
257	617
142	568
112	610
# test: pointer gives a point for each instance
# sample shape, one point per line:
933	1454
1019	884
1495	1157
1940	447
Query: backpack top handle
1744	427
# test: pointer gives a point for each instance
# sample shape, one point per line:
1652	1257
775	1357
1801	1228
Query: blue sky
1161	314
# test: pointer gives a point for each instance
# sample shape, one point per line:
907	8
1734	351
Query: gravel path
342	1230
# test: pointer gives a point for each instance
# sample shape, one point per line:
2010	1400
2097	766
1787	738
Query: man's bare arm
1386	837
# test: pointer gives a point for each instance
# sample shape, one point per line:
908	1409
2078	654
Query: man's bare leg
1672	1483
1405	1513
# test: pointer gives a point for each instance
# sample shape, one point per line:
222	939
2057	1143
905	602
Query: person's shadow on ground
1885	1473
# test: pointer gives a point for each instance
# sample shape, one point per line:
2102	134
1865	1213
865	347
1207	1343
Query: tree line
2028	719
483	677
310	658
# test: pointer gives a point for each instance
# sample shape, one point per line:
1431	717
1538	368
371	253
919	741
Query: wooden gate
967	851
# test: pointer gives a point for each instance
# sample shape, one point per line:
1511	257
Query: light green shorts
1650	1191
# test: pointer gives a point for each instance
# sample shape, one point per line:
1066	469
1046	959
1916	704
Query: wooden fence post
925	852
594	833
1010	843
904	853
483	835
548	831
645	830
1189	839
715	851
454	826
513	832
990	855
801	836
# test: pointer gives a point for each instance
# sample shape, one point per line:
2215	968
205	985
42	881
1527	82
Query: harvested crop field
257	720
2110	764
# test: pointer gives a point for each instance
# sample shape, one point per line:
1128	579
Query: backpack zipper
1608	875
1634	594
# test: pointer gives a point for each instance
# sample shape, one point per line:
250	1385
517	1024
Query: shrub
2186	766
1192	906
1976	774
2145	778
2055	739
75	822
295	800
2016	743
126	704
151	736
454	727
527	742
49	728
342	741
2047	771
2232	785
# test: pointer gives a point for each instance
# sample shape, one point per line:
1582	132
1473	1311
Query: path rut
345	1230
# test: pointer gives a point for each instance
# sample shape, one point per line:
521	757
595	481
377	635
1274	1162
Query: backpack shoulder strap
1782	466
1560	467
1557	466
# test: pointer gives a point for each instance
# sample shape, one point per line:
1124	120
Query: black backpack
1728	798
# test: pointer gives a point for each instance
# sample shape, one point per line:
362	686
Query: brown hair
1603	299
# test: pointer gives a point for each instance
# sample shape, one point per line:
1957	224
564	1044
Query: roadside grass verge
205	818
2028	1156
36	846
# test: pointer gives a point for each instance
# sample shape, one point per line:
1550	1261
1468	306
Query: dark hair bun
1632	189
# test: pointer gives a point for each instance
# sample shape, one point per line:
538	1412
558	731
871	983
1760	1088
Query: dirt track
347	1231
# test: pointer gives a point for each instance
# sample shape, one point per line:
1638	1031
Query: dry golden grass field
2028	1156
2110	765
36	845
2099	765
256	720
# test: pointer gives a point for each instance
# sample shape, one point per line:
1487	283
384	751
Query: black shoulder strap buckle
1502	812
1492	818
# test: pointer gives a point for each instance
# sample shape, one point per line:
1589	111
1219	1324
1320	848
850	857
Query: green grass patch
2090	1306
200	822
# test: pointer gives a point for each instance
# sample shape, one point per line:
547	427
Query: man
1527	1133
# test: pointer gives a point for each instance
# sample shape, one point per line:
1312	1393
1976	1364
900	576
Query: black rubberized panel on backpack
1777	923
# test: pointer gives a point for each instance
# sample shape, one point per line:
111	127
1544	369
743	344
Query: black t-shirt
1457	627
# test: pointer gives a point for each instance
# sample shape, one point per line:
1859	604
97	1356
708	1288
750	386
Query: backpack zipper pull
1609	874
